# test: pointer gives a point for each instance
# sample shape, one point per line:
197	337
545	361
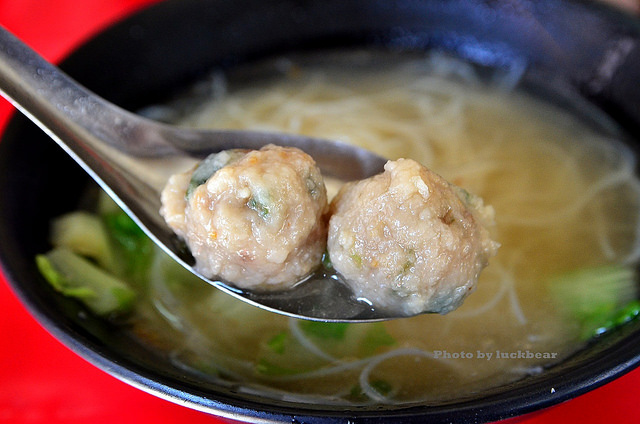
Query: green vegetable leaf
630	312
86	234
74	276
133	246
597	298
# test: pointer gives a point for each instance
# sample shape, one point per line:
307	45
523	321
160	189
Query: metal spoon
131	158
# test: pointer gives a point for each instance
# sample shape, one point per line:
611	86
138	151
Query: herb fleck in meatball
409	241
256	219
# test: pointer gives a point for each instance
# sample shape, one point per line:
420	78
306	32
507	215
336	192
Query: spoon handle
65	110
83	123
94	132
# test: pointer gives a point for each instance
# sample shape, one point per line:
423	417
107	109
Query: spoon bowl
131	158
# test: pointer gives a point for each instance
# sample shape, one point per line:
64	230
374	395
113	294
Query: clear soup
566	198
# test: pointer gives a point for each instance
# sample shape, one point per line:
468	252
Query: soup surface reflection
565	196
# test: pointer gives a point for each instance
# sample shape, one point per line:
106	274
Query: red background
41	381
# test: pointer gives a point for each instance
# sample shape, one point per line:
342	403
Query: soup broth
565	198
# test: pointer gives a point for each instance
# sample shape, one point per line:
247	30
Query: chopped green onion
326	261
258	206
268	368
381	386
312	186
278	342
376	337
212	164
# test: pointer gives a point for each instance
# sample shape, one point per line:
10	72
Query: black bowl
572	49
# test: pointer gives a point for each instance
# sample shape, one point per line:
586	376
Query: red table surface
42	381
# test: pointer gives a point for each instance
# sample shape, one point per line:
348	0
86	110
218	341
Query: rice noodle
549	178
504	287
307	343
374	362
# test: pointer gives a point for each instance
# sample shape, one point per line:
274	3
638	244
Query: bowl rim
609	365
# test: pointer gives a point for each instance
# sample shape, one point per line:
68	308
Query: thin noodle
307	343
548	178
